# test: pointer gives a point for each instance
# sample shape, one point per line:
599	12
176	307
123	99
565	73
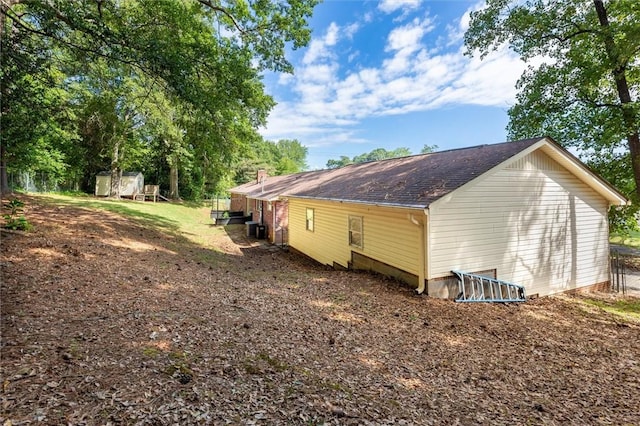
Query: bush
15	218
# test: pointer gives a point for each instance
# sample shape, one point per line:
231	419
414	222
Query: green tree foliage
427	149
277	158
204	56
291	156
341	162
375	155
33	116
584	92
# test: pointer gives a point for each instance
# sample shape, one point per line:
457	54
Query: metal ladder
476	288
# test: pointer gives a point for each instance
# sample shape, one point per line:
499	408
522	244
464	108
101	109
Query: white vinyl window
310	219
355	231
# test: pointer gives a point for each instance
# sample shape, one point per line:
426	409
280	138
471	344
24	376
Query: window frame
310	220
360	232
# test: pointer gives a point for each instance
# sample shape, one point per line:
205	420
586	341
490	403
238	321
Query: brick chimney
261	176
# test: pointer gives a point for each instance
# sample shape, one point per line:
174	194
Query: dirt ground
106	321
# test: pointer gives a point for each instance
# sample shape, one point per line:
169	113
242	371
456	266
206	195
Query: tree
35	117
343	161
208	54
583	92
280	158
292	156
375	155
427	149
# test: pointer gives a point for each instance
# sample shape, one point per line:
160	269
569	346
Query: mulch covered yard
107	321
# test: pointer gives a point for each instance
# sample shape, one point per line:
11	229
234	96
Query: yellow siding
533	221
388	234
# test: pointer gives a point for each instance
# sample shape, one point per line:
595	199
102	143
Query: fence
618	272
219	203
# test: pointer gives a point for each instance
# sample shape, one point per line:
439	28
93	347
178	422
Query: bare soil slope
106	321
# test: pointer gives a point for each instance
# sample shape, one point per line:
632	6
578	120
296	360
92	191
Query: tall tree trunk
619	75
173	178
4	181
4	6
116	173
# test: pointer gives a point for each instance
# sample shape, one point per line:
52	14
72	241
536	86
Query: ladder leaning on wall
476	288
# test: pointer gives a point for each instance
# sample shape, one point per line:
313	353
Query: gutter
422	250
368	203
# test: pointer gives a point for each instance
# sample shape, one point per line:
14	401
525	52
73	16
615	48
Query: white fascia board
578	169
565	159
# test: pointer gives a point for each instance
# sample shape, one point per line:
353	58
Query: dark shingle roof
415	181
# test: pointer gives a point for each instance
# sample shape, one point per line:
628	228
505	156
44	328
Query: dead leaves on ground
118	324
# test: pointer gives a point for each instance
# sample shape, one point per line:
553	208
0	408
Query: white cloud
332	35
351	29
414	74
456	32
320	48
389	6
408	37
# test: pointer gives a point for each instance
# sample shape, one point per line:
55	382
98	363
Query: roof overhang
367	203
565	159
578	169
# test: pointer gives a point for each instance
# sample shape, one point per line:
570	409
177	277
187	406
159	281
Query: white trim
564	158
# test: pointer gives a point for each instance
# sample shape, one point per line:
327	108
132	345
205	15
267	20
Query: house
526	212
131	184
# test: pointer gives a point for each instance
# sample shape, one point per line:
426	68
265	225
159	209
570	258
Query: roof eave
369	203
582	172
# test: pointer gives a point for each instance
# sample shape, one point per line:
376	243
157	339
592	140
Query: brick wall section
603	286
237	202
281	209
267	219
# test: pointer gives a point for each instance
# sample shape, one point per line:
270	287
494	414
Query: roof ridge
528	140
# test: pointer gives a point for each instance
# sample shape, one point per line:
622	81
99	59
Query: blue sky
390	74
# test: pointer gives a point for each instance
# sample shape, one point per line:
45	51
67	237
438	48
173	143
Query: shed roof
415	181
108	173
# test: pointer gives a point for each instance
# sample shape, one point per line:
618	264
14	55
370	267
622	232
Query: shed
527	212
131	183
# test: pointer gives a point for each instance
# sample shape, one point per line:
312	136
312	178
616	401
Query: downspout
274	212
427	244
422	250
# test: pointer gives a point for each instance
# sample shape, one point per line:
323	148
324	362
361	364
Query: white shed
131	183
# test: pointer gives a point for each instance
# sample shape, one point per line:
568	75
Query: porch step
476	288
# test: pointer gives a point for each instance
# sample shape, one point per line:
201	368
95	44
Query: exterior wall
238	203
533	221
103	186
277	221
255	207
389	236
131	185
274	215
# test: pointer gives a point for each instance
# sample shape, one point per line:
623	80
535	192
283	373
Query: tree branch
210	5
96	52
595	104
563	39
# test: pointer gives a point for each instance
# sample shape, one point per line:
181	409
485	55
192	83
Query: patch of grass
179	368
151	352
191	221
273	362
631	239
628	309
256	365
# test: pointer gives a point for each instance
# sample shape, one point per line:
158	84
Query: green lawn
627	309
632	239
189	220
